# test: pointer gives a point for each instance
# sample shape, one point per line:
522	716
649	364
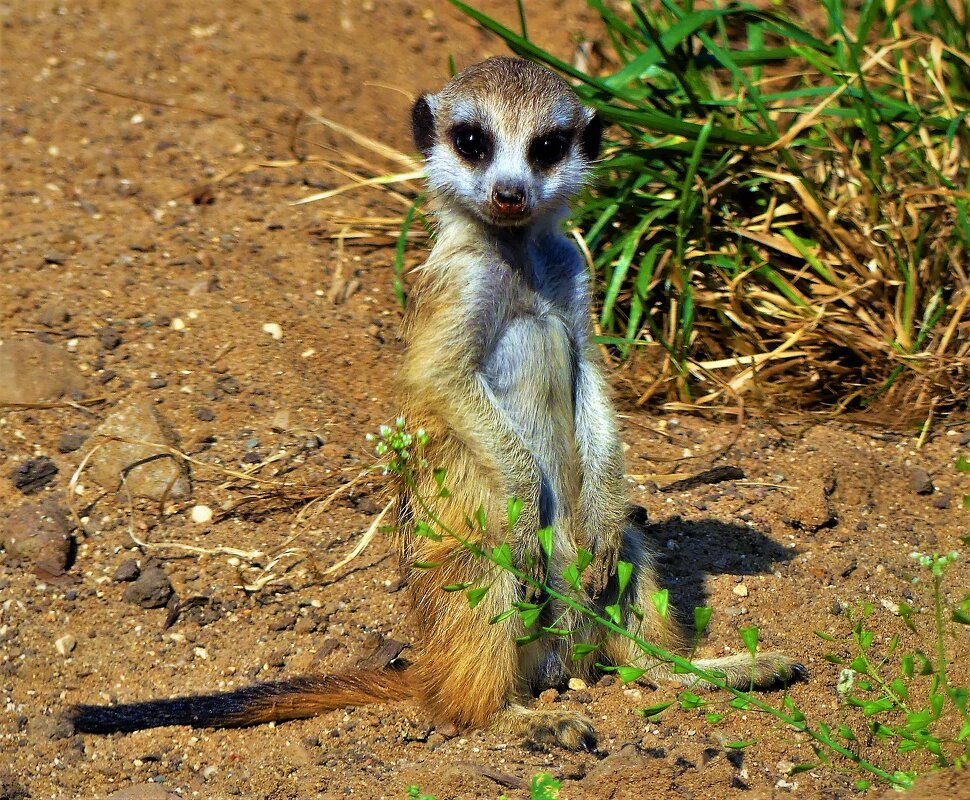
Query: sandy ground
145	243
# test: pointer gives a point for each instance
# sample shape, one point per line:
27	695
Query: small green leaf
713	718
900	688
456	587
825	636
521	641
860	665
475	595
502	617
425	565
805	766
628	674
907	665
515	510
846	733
581	650
529	616
963	465
877	706
908	614
966	505
702	618
960	616
652	712
739	745
424	530
571	575
480	517
624	571
615	614
740	703
661	601
502	555
439	478
749	636
689	700
583	559
545	540
544	787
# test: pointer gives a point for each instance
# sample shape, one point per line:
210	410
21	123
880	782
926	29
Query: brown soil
825	521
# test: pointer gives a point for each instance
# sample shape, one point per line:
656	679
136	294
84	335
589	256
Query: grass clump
782	212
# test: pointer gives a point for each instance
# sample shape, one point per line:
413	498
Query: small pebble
177	324
205	414
110	338
273	329
201	514
549	696
740	590
920	482
577	684
69	441
65	644
127	571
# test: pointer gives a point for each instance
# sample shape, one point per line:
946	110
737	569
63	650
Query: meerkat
502	374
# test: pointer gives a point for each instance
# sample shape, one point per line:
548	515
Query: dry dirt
121	219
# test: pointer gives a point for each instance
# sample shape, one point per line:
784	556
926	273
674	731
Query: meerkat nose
509	198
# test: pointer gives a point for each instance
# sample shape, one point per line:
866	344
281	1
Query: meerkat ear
592	137
422	123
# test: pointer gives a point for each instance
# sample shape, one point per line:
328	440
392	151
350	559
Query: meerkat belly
530	372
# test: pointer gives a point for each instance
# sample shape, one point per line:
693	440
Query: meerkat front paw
566	728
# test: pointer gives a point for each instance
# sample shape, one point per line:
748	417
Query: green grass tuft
781	212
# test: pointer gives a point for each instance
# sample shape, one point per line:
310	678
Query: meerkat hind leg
762	671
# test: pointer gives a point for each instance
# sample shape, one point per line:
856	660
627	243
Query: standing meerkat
502	374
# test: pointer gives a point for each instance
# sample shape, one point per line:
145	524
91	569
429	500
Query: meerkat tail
296	698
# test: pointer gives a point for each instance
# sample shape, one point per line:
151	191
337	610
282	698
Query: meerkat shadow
689	551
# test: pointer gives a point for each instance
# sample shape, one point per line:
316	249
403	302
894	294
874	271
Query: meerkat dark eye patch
422	125
550	148
471	142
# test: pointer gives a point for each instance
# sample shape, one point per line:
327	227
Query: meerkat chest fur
531	362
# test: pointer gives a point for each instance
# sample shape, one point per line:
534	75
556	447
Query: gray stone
920	481
131	443
72	440
34	372
39	533
34	474
127	571
152	589
109	337
54	315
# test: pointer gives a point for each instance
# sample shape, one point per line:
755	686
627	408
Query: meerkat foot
566	728
763	671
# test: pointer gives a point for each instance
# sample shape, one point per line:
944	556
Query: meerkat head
506	139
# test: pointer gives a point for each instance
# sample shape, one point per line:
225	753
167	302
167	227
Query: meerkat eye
549	149
471	142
